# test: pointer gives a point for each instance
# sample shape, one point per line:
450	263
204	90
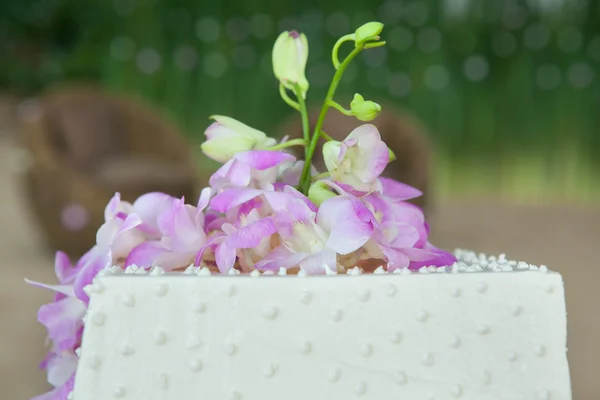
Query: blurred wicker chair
400	131
86	145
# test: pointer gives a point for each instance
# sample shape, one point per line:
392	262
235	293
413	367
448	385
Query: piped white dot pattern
428	359
98	319
457	391
483	329
269	370
127	350
539	350
162	289
160	337
119	392
93	362
486	378
400	378
517	310
422	315
163	381
196	365
360	388
128	300
306	347
200	307
391	290
437	323
366	350
306	298
364	295
455	342
482	287
230	349
269	312
334	375
337	315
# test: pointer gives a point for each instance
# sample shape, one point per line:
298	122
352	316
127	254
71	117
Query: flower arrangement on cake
264	212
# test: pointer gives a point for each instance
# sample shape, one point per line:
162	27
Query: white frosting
442	336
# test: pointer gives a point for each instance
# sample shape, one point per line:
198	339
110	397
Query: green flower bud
367	31
364	110
319	192
290	54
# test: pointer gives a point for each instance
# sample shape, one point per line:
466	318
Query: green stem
304	115
336	48
287	98
289	143
326	136
339	107
305	177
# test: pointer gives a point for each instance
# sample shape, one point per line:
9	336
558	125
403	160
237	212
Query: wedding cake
283	282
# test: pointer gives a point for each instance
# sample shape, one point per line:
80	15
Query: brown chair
403	134
86	145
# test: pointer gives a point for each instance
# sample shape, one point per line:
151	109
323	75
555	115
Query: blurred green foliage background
509	89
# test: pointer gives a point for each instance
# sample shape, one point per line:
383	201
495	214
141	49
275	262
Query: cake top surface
441	336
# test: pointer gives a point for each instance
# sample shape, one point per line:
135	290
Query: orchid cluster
264	210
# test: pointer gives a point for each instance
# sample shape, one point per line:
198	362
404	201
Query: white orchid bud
290	54
227	137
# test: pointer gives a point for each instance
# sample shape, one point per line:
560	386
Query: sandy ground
564	238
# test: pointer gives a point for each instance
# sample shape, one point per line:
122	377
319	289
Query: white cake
438	334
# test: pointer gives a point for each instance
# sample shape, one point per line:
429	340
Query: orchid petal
204	199
250	235
63	320
89	271
232	173
264	159
316	263
61	369
395	258
230	198
150	205
112	208
225	257
347	231
144	254
67	290
280	257
60	393
439	258
397	190
63	268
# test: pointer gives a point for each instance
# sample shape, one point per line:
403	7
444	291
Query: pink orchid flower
254	169
149	207
61	368
401	236
183	235
277	200
359	160
249	231
312	240
63	318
